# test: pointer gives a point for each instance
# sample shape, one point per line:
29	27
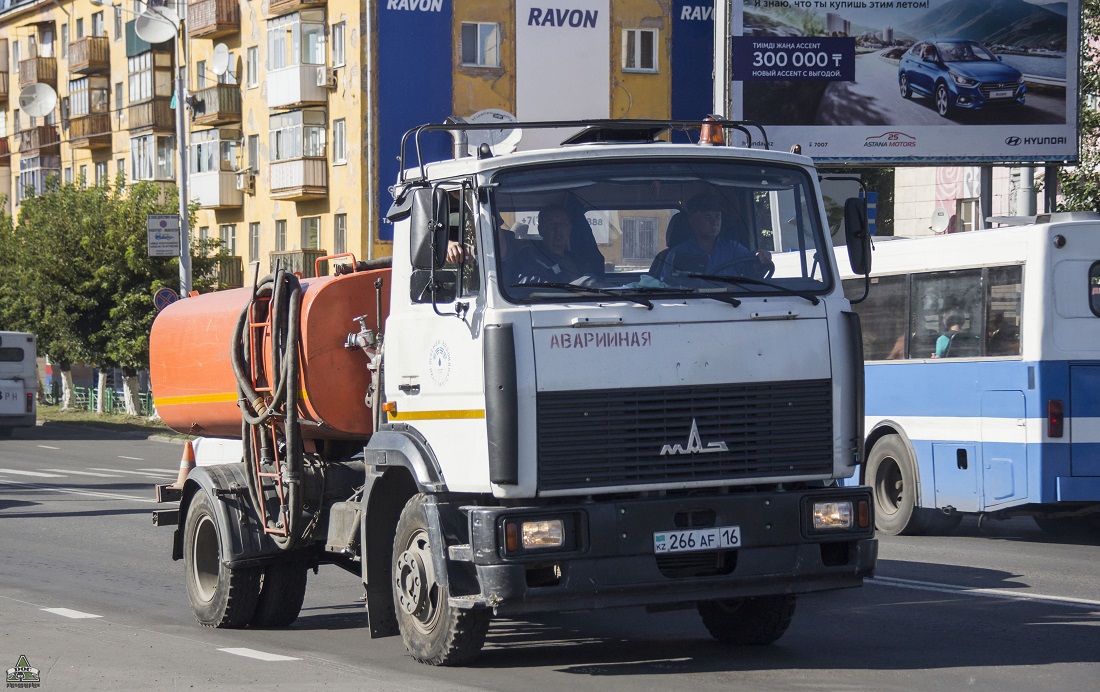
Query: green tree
1080	184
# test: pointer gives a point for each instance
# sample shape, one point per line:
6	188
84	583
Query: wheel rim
206	558
414	581
904	86
889	487
941	100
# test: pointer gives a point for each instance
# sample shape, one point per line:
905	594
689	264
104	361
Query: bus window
1094	288
882	316
946	314
1003	326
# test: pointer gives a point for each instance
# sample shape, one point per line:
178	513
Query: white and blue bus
982	353
18	381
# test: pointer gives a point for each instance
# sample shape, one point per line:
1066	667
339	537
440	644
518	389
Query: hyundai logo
1012	141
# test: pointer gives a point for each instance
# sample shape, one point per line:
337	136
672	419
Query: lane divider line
1004	594
132	458
68	613
36	474
259	655
76	491
139	473
48	447
85	473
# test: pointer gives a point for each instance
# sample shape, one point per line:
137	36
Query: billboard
909	81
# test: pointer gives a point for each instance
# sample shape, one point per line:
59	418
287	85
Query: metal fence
87	398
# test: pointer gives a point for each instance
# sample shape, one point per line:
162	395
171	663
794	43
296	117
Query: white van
18	381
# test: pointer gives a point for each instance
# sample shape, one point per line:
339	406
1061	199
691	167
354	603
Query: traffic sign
164	297
164	234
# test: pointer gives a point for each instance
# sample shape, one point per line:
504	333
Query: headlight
963	80
832	515
522	535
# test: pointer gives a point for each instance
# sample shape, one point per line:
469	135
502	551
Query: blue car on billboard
958	73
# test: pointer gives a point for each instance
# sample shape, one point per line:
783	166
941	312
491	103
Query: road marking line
37	474
986	593
132	458
85	473
261	655
67	613
139	473
47	447
74	491
169	472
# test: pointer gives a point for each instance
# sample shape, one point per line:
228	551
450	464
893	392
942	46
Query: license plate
717	538
1003	94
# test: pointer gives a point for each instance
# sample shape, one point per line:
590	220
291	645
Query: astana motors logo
23	676
694	445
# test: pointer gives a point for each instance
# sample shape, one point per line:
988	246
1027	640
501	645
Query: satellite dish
37	100
157	25
219	61
500	141
940	220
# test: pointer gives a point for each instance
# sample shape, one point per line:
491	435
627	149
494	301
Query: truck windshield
645	228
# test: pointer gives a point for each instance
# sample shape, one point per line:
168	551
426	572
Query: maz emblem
694	445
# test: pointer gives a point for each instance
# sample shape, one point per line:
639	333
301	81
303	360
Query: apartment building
295	109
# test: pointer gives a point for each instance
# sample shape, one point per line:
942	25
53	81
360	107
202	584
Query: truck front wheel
220	596
434	632
748	621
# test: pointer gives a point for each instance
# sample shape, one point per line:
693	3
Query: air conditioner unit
246	181
326	77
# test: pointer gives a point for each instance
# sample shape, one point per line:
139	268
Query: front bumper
612	561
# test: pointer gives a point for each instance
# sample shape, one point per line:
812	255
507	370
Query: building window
152	157
339	234
297	134
639	238
252	65
33	173
966	215
3	123
118	95
16	54
204	234
211	153
120	167
295	40
339	141
98	27
101	174
254	241
481	44
227	232
254	152
339	57
83	176
311	233
150	74
200	75
17	122
68	175
640	50
280	236
80	27
118	23
64	44
87	96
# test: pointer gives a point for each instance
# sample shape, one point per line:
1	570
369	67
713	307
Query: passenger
553	260
954	324
705	252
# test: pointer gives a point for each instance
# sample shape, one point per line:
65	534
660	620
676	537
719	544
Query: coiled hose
259	421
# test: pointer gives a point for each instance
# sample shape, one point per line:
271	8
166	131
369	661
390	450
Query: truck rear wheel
748	621
282	592
220	596
434	632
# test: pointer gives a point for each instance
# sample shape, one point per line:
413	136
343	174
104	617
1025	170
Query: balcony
90	55
5	153
210	18
217	105
215	190
299	261
37	138
38	70
290	87
278	8
299	179
156	114
90	131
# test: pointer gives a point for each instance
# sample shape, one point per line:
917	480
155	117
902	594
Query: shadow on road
107	430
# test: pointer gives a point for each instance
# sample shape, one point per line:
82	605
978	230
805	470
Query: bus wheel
282	592
220	596
748	621
892	476
433	630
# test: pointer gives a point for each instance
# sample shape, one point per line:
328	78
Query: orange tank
195	390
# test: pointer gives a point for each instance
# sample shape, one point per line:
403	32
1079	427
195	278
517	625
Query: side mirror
429	215
857	234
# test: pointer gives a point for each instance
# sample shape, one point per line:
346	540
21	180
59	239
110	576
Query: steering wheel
768	266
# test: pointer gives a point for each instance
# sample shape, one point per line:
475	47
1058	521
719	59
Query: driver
552	260
706	252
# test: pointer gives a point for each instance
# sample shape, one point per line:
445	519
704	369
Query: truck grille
615	437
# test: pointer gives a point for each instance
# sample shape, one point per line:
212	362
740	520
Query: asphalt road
876	100
89	594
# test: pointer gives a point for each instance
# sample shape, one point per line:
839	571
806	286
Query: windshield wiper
588	289
757	282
